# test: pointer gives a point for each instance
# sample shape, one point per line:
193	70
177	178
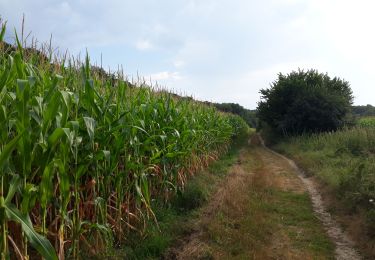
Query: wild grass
84	154
345	161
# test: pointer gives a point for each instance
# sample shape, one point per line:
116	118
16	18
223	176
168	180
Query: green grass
296	211
293	211
280	211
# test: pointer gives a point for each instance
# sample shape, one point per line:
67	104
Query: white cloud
144	45
178	63
165	75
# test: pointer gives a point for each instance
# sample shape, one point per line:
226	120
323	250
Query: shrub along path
262	210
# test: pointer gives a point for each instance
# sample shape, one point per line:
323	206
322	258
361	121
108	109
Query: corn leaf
7	150
40	243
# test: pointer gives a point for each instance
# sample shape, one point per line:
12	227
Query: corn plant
366	122
84	153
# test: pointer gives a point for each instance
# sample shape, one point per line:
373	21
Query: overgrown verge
345	162
176	218
84	157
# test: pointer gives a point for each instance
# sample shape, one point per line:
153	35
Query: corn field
82	156
366	122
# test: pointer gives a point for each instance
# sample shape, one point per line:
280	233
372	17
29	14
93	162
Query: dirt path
344	246
263	210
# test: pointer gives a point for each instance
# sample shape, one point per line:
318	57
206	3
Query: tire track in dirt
344	245
271	171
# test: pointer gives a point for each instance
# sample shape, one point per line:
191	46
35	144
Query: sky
213	50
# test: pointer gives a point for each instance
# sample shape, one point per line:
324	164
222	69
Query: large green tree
305	101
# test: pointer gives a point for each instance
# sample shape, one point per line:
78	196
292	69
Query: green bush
305	102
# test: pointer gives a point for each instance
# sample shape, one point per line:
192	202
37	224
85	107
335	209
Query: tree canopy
367	110
305	101
248	115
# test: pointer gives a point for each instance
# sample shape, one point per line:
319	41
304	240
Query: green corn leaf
74	125
101	228
90	97
69	135
18	42
156	156
64	184
3	118
4	77
58	76
177	133
19	65
3	29
19	45
50	111
145	189
22	84
31	80
90	126
66	97
170	155
81	171
45	186
40	243
13	186
139	128
107	155
28	197
52	89
7	150
55	136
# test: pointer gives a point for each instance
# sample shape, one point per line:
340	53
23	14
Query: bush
305	102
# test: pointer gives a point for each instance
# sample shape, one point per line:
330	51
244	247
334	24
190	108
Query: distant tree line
361	111
248	115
